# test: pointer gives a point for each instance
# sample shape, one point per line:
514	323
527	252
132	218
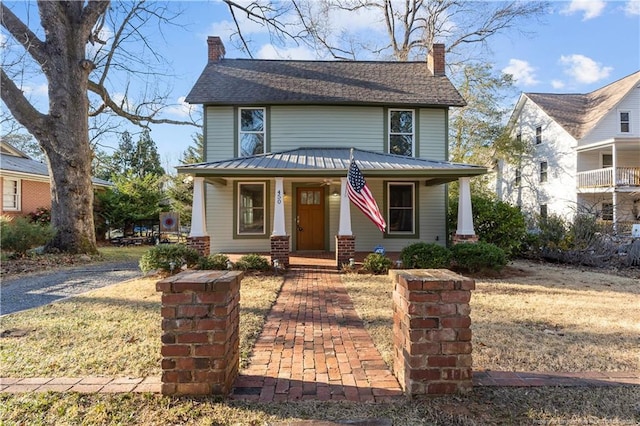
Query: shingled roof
579	113
285	82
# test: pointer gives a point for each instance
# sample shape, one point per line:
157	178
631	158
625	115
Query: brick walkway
314	346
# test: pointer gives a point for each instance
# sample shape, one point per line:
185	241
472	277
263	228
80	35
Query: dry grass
113	331
542	318
485	406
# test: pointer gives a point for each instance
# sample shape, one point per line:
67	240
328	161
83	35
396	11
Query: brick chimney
216	49
435	59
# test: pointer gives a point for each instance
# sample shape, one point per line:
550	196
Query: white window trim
413	208
620	122
239	208
18	195
546	172
241	132
413	129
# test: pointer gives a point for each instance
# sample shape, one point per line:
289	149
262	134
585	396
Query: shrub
377	263
553	231
425	256
253	262
495	222
475	257
217	261
20	235
41	215
168	258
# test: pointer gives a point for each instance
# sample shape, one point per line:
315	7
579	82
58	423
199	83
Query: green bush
425	256
168	258
20	235
377	263
495	222
253	262
41	215
216	261
475	257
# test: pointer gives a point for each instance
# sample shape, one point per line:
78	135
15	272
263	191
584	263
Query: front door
310	218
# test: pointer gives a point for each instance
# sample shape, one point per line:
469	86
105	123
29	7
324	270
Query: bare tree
412	26
84	44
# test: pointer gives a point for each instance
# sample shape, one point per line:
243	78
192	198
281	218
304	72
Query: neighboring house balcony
607	179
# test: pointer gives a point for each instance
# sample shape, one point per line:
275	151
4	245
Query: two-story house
279	137
583	157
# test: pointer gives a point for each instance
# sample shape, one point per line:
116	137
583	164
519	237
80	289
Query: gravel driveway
20	293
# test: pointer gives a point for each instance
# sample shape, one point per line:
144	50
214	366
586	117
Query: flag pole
351	155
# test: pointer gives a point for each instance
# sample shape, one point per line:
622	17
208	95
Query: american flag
359	194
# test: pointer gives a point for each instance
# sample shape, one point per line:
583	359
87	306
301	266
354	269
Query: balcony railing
603	178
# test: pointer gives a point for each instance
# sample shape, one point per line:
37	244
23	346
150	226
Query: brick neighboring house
25	182
584	156
278	136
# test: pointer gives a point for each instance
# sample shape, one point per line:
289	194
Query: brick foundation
345	249
458	238
200	340
280	250
201	244
431	331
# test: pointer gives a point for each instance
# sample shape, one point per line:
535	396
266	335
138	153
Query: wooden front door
310	218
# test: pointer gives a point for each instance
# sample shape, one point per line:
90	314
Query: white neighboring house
584	154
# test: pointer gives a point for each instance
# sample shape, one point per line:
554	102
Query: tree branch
23	35
20	107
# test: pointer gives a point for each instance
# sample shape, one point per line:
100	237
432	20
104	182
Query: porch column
465	231
345	240
279	237
614	196
198	237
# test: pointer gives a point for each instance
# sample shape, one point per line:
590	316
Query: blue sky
579	47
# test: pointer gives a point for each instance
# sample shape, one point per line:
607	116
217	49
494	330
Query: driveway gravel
26	292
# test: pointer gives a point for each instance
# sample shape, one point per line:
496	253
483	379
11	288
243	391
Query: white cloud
269	51
38	90
181	109
590	8
632	7
557	84
583	69
522	72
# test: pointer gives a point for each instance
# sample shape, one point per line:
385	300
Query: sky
578	47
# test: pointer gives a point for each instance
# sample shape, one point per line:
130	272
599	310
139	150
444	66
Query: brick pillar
200	340
431	331
280	249
201	244
345	249
457	239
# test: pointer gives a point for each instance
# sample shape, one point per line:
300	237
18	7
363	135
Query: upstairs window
11	194
251	132
401	132
625	123
543	171
401	208
518	179
538	135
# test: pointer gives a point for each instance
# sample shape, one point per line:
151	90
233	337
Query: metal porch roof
330	162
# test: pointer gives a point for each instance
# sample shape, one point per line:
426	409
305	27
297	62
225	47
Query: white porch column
614	196
278	210
465	212
198	217
344	227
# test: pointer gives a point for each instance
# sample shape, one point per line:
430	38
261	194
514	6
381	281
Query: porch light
335	193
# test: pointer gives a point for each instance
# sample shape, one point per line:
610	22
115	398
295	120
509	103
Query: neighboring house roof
279	82
24	165
579	113
332	163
